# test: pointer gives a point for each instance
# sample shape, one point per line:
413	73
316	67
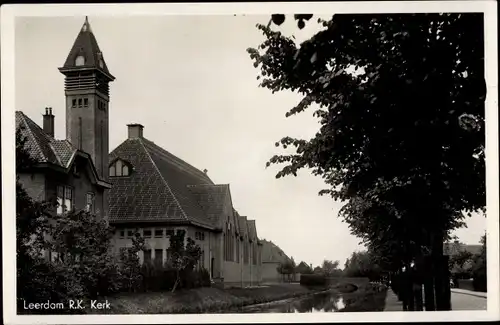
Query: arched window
80	60
120	168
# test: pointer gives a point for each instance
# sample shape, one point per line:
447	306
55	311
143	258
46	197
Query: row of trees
81	263
401	141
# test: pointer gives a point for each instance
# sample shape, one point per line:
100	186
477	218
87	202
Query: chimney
135	131
205	171
48	122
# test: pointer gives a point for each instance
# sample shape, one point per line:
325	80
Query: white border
9	12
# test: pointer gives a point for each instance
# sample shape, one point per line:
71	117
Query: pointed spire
86	25
85	52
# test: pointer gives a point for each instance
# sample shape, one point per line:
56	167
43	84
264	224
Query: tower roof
86	46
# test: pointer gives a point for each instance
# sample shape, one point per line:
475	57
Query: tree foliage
400	100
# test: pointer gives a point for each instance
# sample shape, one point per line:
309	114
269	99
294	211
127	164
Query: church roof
86	45
163	188
42	147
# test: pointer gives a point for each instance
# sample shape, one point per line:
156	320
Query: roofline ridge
178	160
24	117
55	153
164	180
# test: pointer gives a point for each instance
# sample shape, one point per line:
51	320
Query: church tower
86	88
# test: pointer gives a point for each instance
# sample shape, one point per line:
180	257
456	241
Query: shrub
313	280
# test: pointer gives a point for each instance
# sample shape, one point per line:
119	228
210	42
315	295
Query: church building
139	186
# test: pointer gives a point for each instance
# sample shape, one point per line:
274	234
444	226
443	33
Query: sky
191	83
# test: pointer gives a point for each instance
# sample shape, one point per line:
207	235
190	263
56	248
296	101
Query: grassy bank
366	298
202	300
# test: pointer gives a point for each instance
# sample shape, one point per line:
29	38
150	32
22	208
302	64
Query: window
130	233
85	102
245	252
199	235
122	233
64	199
147	233
254	254
237	250
159	256
79	102
170	232
147	256
158	233
119	168
201	262
80	60
90	206
73	103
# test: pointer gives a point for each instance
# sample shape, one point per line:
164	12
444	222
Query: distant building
139	186
272	258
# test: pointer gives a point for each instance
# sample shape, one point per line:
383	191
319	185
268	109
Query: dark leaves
278	19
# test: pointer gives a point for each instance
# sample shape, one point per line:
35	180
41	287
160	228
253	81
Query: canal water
326	302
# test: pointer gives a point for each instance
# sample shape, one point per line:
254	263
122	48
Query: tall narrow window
147	256
118	166
102	148
79	102
85	102
80	133
73	103
64	199
237	250
125	170
112	171
90	206
159	256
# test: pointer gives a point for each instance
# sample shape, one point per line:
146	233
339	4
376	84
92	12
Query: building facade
139	186
157	194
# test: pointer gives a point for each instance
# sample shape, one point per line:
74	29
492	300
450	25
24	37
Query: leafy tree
404	135
287	268
479	269
184	257
331	268
130	267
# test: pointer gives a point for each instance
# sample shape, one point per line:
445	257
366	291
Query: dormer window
79	61
119	169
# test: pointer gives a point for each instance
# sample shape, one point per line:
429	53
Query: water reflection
319	303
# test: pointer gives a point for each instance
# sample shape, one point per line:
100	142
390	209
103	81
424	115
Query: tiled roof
42	147
212	199
163	188
271	253
86	44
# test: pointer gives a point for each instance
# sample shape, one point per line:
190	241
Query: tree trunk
441	278
428	280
